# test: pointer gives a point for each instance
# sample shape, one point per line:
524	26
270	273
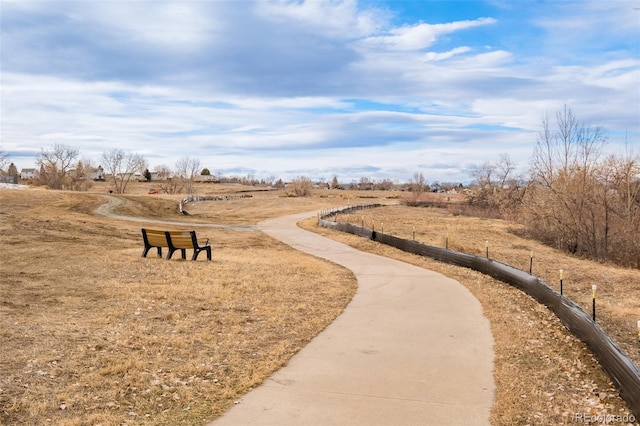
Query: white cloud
420	36
336	18
615	75
169	25
433	56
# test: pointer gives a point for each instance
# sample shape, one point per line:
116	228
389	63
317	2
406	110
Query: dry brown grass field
91	333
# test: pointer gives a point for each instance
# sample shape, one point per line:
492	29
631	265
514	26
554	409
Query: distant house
204	178
158	175
130	176
29	174
97	174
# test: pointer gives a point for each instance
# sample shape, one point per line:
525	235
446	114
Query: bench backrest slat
155	238
181	239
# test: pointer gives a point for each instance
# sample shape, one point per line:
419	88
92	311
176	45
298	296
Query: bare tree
79	179
163	171
4	159
622	194
418	187
187	169
505	169
384	184
250	179
485	176
573	199
511	187
571	145
122	167
564	179
628	181
166	184
365	183
55	163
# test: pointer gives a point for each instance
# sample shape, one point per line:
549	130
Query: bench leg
146	251
196	252
183	252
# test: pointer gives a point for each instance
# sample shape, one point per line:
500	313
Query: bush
300	187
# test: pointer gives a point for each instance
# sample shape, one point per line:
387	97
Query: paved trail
412	348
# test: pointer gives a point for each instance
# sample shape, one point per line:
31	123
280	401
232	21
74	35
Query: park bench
173	241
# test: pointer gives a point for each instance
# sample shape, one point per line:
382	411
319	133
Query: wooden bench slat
157	240
153	238
180	240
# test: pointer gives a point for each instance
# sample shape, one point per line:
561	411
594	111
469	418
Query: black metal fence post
531	262
593	300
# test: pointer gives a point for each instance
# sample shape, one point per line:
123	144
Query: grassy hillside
94	334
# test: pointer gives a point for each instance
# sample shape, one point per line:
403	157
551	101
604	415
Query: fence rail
618	366
9	179
196	198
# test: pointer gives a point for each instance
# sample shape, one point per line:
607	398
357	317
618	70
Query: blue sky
375	89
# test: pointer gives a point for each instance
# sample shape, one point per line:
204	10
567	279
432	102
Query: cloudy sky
376	89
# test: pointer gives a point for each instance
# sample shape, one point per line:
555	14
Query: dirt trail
107	210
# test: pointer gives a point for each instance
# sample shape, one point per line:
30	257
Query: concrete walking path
411	348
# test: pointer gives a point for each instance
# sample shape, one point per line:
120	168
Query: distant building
97	175
29	174
155	175
204	178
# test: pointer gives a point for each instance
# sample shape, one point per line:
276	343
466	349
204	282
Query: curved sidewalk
411	348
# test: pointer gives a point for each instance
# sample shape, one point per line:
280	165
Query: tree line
575	198
60	168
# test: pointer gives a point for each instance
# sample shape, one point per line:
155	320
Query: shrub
300	187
